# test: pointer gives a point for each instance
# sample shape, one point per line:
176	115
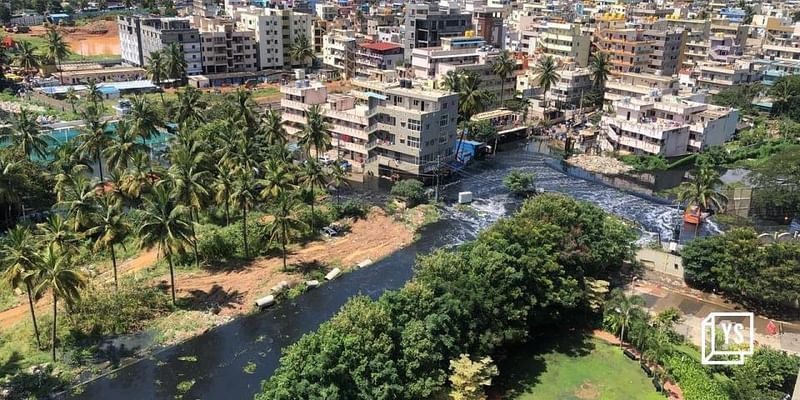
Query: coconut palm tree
272	129
222	187
19	262
26	57
188	181
702	191
191	108
311	176
278	178
243	195
473	98
139	178
546	73
284	223
164	225
316	133
622	307
503	66
175	63
156	70
72	98
108	228
57	230
336	177
243	111
58	274
94	137
143	118
451	81
67	158
601	68
302	51
75	194
25	135
57	49
94	95
123	146
9	183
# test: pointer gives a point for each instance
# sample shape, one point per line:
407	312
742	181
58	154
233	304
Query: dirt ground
235	291
95	39
12	316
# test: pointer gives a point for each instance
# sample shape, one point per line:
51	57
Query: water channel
222	353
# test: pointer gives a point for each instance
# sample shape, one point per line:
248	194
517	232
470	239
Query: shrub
519	182
410	190
351	209
221	243
695	382
102	311
646	163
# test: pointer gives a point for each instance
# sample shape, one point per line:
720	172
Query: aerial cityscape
362	199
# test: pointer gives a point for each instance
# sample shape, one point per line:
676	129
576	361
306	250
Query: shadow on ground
521	366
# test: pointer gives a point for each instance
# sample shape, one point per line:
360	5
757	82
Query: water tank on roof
299	73
306	83
298	84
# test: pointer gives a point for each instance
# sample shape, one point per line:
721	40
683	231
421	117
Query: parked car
325	159
331	230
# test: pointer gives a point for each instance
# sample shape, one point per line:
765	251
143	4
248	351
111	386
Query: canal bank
230	361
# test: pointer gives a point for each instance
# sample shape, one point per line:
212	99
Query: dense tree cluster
742	267
521	276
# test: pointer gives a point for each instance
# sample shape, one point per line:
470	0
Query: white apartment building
268	35
384	129
667	126
224	48
716	77
572	85
276	30
565	41
339	51
637	85
463	54
347	120
140	36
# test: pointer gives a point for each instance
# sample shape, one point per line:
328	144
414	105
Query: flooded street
221	354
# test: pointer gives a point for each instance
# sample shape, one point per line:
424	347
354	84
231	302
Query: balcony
355	147
357	133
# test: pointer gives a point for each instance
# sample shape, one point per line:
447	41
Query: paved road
661	292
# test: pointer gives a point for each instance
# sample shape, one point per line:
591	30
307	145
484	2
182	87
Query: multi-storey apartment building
377	55
425	25
668	126
339	51
463	54
267	28
384	129
412	128
571	87
717	48
716	77
565	41
346	119
665	51
226	49
639	85
139	36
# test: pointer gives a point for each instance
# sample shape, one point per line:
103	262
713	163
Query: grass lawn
575	368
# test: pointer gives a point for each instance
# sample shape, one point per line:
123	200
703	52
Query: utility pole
436	190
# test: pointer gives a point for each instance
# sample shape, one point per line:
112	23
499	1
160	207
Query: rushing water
222	353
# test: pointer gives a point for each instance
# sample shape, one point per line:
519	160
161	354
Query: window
413	142
443	120
413	125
